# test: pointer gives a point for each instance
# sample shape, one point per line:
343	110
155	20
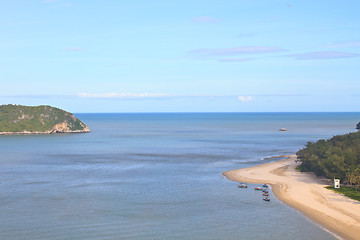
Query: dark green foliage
17	118
349	192
331	158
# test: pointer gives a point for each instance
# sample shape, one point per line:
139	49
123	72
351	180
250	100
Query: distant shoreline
42	133
306	193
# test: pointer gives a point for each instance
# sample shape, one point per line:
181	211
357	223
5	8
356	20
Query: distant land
21	120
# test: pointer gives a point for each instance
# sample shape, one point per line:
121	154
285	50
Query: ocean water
156	176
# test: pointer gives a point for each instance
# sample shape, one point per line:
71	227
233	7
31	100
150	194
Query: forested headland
338	157
18	119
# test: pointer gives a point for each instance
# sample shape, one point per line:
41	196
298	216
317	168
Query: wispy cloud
234	51
127	95
282	95
74	49
220	53
245	98
235	59
324	55
205	20
242	98
149	96
104	95
344	44
38	96
160	96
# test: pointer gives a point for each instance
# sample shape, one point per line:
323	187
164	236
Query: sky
89	56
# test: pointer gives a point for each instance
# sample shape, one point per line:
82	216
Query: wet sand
306	193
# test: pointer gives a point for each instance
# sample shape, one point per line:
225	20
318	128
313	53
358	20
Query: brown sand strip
306	193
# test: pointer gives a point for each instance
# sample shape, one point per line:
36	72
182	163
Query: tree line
338	157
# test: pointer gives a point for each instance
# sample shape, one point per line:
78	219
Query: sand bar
306	193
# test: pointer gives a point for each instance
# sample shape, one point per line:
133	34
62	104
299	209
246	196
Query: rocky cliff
18	120
358	126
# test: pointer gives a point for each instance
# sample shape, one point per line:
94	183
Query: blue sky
181	56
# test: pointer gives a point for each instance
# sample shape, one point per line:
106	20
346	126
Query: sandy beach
306	193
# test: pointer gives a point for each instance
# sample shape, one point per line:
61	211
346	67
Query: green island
21	120
338	157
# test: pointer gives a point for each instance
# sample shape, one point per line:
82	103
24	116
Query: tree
353	177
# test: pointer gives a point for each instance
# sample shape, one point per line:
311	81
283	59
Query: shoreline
42	133
306	193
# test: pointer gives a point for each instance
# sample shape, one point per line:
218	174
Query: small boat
265	191
266	199
258	188
242	185
265	194
265	186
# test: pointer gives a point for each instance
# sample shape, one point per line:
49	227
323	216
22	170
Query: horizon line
216	112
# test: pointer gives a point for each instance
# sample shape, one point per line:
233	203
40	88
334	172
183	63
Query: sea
147	176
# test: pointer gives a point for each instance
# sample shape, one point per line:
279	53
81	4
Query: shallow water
155	176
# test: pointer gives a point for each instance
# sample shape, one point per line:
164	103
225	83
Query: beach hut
336	183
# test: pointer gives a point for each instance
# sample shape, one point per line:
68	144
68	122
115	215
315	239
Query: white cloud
245	98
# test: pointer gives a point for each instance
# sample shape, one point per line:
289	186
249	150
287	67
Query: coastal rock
64	127
358	126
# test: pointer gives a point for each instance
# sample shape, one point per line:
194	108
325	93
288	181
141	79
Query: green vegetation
337	157
349	192
17	118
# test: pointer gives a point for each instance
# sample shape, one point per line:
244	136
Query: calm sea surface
155	176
